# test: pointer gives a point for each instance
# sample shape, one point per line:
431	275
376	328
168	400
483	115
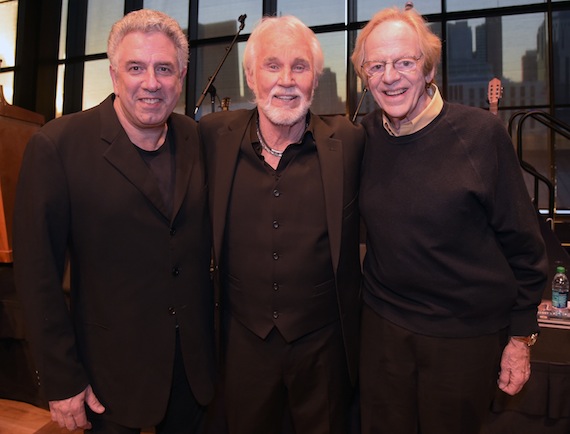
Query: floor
22	418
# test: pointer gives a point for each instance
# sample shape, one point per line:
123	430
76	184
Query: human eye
374	68
164	70
272	66
405	64
300	67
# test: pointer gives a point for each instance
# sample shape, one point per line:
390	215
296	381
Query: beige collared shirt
420	121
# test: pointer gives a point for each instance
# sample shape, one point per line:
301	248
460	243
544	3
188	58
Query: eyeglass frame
393	62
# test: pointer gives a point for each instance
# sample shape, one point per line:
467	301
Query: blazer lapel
228	145
122	154
331	162
186	158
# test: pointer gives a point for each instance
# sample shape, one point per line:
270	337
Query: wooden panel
17	125
22	418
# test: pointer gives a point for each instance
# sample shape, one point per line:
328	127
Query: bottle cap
560	269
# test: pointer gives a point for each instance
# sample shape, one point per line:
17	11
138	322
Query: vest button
275	314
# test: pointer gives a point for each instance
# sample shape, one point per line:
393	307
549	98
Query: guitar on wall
494	94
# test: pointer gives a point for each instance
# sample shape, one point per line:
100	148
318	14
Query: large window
8	16
523	43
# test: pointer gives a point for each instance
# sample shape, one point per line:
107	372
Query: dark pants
412	383
264	378
183	415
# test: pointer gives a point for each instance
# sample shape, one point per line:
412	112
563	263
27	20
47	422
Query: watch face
532	339
528	340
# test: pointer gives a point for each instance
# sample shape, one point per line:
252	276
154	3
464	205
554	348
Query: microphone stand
209	87
359	104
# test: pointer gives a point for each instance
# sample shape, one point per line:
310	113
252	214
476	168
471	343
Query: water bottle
560	287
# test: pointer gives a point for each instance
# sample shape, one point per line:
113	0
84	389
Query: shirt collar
420	121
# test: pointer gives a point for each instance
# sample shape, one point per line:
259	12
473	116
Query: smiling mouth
395	92
150	100
285	97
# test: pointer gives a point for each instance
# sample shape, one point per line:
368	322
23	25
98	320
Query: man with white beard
283	185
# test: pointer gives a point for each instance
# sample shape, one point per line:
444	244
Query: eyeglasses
403	64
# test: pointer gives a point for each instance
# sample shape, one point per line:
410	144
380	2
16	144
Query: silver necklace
264	145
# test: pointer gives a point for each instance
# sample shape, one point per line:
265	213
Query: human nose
151	83
286	77
391	74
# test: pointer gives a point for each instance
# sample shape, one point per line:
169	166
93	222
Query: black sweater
453	243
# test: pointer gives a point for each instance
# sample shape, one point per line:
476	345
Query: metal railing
556	126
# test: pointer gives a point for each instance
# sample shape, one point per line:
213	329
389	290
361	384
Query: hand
70	413
515	367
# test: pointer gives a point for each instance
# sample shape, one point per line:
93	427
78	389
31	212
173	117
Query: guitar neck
494	94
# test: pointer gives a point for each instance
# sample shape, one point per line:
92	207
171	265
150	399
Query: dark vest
276	268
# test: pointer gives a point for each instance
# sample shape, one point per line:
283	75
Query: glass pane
367	8
220	17
330	95
314	12
561	60
59	91
467	5
97	84
532	143
178	10
562	155
101	15
229	83
63	29
7	83
503	47
8	20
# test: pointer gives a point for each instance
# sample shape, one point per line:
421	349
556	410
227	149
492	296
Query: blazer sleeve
41	231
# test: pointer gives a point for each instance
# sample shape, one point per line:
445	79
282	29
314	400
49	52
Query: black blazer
340	147
137	268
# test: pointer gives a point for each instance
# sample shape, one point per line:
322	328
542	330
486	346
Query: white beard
286	117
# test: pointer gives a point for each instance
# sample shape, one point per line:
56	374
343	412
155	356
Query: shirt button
175	271
275	224
275	314
172	311
275	256
172	231
275	286
276	193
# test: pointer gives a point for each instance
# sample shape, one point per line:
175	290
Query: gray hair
148	21
288	25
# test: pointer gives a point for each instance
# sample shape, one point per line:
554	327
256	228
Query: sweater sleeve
515	222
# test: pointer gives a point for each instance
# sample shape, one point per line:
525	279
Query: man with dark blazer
283	188
120	189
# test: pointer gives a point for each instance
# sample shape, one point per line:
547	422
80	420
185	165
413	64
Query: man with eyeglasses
455	263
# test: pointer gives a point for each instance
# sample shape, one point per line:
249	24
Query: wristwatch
529	340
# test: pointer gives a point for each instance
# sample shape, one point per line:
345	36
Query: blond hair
430	44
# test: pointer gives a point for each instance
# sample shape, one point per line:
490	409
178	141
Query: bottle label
559	299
